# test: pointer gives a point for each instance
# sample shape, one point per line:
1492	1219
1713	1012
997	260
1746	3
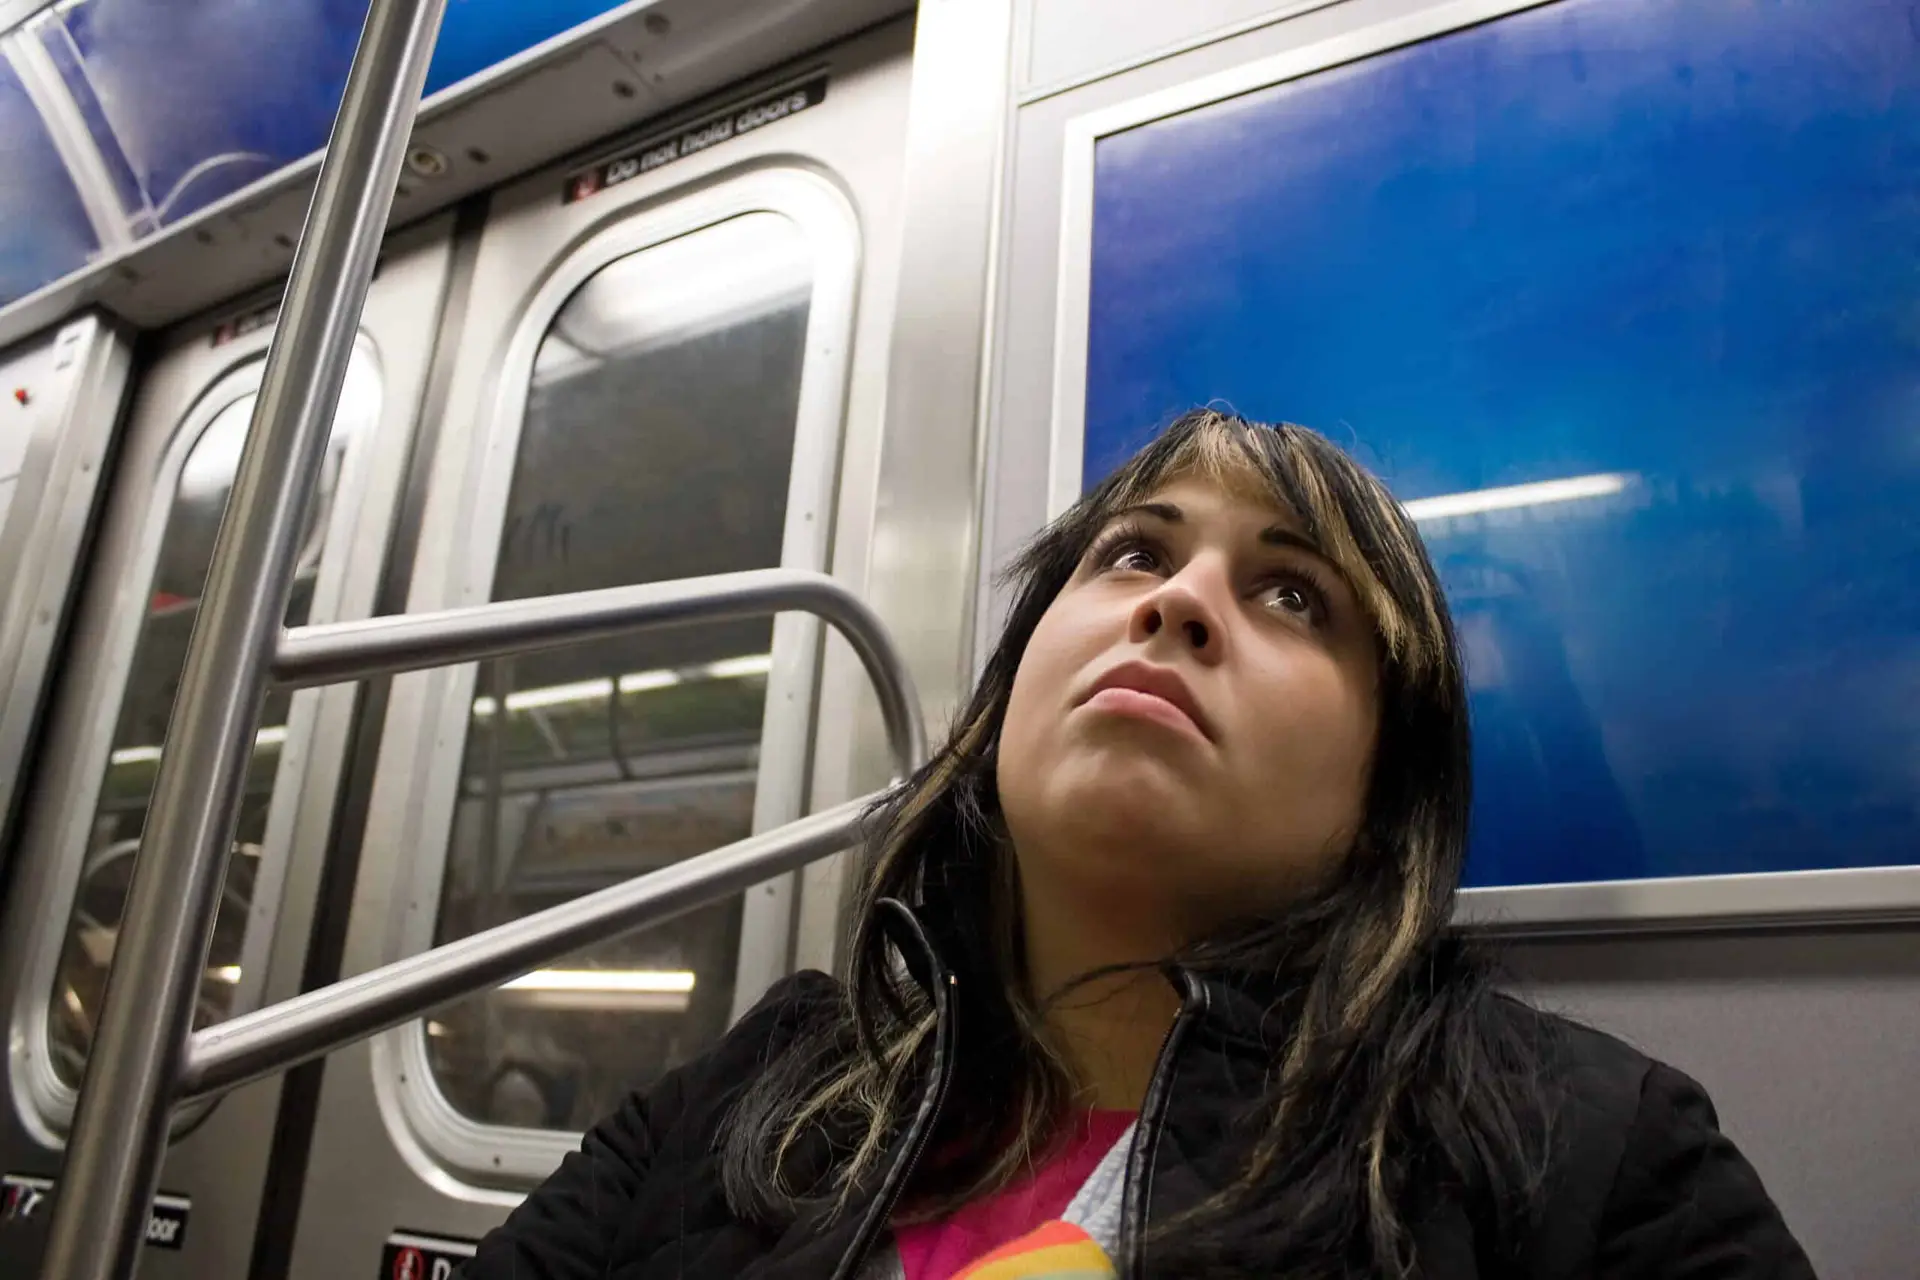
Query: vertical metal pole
120	1130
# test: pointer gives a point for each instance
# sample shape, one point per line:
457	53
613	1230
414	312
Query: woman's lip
1140	705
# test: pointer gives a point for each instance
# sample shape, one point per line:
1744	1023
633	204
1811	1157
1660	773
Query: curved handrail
282	1035
339	652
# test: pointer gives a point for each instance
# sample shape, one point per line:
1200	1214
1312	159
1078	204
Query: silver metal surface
1071	43
218	1155
748	180
121	1123
617	231
926	544
43	530
391	1148
409	642
312	1025
48	1099
915	534
16	11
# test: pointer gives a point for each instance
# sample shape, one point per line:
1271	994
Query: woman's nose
1176	610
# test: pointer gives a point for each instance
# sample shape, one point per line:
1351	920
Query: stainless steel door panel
389	1155
62	401
180	444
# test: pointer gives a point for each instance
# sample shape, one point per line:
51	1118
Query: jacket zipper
1137	1191
918	1134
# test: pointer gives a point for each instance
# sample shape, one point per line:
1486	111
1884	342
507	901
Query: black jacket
1644	1185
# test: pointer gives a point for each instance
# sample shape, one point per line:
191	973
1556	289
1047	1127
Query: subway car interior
827	306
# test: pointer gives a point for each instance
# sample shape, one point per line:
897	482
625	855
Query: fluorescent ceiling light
137	755
559	694
1518	495
274	735
227	973
757	664
644	981
641	681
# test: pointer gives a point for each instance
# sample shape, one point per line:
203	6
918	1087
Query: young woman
1150	972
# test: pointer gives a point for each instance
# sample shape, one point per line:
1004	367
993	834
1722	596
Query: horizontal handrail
308	1026
268	1041
341	652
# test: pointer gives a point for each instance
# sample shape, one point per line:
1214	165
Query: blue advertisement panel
1622	297
44	232
189	101
202	97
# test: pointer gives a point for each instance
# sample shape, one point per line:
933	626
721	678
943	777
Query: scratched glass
656	445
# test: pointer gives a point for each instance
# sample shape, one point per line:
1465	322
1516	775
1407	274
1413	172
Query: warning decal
664	149
410	1256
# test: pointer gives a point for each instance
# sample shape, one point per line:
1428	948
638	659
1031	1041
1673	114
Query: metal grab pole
126	1102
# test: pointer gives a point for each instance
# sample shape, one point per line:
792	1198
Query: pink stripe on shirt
939	1250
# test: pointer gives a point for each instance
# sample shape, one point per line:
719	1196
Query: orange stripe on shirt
1053	1251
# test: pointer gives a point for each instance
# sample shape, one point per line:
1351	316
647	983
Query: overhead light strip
756	664
622	981
1541	493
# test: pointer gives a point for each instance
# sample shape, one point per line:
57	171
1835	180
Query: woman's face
1194	718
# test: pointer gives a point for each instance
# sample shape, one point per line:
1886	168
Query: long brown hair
1389	1073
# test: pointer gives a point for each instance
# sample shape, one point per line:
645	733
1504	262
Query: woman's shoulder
1640	1178
789	1008
1575	1061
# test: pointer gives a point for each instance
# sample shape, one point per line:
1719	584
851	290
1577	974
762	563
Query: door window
657	443
172	606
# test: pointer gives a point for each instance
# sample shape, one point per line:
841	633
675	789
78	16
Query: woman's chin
1149	805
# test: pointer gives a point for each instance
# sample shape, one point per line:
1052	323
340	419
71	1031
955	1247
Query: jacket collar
1244	1011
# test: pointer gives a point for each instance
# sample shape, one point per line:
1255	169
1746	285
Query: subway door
672	366
81	825
60	398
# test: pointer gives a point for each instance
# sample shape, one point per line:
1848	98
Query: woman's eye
1296	599
1126	553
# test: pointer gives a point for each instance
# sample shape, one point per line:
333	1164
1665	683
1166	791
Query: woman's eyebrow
1164	511
1278	535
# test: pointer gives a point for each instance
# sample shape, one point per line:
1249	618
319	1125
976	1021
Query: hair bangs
1352	518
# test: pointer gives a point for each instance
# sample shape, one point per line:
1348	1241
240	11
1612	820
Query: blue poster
44	232
199	98
1622	297
189	101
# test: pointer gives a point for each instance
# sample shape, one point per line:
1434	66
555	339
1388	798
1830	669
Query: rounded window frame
465	1157
42	1099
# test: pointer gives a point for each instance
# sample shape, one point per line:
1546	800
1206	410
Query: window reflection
185	554
656	445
